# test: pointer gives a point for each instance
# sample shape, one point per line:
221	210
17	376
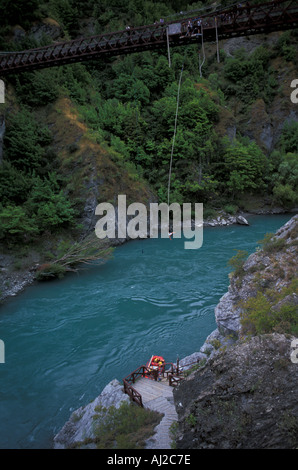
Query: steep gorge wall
273	267
243	394
244	397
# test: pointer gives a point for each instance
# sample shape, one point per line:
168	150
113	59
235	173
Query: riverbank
19	272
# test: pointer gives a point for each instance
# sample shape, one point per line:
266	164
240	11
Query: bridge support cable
168	45
216	33
203	51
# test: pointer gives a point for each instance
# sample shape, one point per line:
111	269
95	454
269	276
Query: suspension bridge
237	20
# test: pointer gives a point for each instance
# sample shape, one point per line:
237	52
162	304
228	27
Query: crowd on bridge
194	26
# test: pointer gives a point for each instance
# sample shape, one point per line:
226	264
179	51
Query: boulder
241	220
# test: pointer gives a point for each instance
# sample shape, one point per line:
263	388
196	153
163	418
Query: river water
65	340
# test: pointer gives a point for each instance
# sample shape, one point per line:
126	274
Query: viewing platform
152	387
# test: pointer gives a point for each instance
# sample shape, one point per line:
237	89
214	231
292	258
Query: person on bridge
189	28
197	28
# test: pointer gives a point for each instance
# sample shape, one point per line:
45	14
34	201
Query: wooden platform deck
158	396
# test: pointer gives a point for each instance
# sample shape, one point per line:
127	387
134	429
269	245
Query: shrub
209	213
191	420
237	262
285	46
37	88
270	243
285	195
124	428
49	204
15	223
50	271
260	314
231	209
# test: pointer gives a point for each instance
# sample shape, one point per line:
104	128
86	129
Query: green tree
245	165
126	88
48	204
249	76
288	141
285	180
66	12
25	141
285	46
37	88
14	184
15	223
285	195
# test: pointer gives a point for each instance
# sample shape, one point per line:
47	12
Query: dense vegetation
129	103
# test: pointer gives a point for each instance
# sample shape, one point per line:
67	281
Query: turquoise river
65	340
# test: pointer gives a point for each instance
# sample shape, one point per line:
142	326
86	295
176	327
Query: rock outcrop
270	267
244	397
47	28
79	428
224	219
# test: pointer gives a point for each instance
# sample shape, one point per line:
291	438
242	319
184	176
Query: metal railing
173	373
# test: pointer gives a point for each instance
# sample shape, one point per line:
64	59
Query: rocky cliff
272	267
243	391
80	426
245	397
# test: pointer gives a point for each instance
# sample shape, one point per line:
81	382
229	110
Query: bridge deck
158	396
